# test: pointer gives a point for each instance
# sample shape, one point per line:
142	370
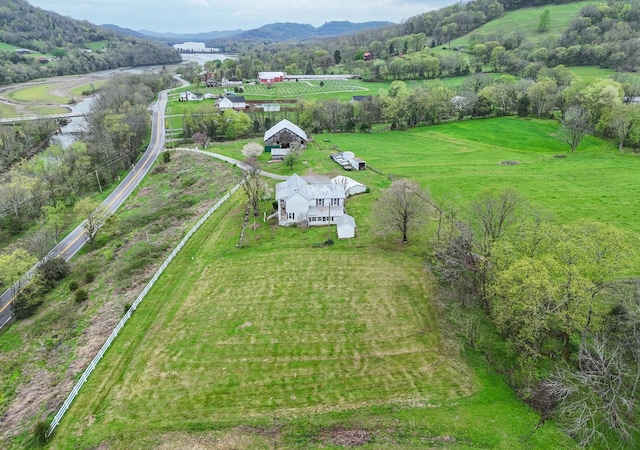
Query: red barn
270	77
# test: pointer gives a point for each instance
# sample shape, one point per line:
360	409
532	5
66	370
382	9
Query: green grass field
461	159
281	343
37	93
309	344
7	110
592	71
527	20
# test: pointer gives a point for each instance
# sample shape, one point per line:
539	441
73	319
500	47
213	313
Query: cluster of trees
209	123
66	42
553	293
19	140
43	186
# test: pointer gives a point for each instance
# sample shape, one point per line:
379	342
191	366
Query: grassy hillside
527	20
280	344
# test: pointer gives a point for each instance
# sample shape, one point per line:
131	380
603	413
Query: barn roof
284	124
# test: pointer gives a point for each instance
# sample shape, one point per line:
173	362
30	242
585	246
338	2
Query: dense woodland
65	42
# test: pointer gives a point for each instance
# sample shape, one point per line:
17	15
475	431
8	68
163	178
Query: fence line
85	375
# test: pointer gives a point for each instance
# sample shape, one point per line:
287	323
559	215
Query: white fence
85	375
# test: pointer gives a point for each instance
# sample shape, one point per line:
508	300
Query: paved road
71	244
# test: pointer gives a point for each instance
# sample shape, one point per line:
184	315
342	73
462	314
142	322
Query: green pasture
4	47
78	90
591	71
38	93
96	46
277	334
462	159
527	20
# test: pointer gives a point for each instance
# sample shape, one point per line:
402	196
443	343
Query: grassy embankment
299	350
41	356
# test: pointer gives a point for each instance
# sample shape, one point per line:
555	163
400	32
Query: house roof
361	98
345	219
284	124
286	188
324	191
348	183
236	98
311	191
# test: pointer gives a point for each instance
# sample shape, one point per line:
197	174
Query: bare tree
575	126
402	207
599	397
254	186
492	214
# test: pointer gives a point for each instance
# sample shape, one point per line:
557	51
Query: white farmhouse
237	102
311	204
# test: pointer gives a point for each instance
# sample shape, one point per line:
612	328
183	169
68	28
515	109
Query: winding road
74	241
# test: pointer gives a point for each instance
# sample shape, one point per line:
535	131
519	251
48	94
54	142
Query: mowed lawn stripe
228	335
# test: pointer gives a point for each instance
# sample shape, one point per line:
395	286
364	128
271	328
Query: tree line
606	35
564	323
72	46
116	130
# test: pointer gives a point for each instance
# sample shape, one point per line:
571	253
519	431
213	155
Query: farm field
527	20
462	159
230	349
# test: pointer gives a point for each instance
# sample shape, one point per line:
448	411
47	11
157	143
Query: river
69	132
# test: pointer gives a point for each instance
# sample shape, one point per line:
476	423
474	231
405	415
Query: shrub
28	299
166	157
89	277
40	432
54	269
81	295
73	286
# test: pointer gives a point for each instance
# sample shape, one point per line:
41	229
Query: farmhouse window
335	202
292	216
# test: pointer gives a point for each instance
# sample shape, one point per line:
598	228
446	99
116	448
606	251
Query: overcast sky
195	16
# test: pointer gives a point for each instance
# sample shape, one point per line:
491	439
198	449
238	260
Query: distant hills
64	46
276	32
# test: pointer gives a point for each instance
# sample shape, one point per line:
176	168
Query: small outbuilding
351	186
346	226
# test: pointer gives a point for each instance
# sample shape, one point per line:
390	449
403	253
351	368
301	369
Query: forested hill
299	31
60	45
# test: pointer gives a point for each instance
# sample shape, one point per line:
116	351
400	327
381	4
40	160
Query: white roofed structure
351	186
